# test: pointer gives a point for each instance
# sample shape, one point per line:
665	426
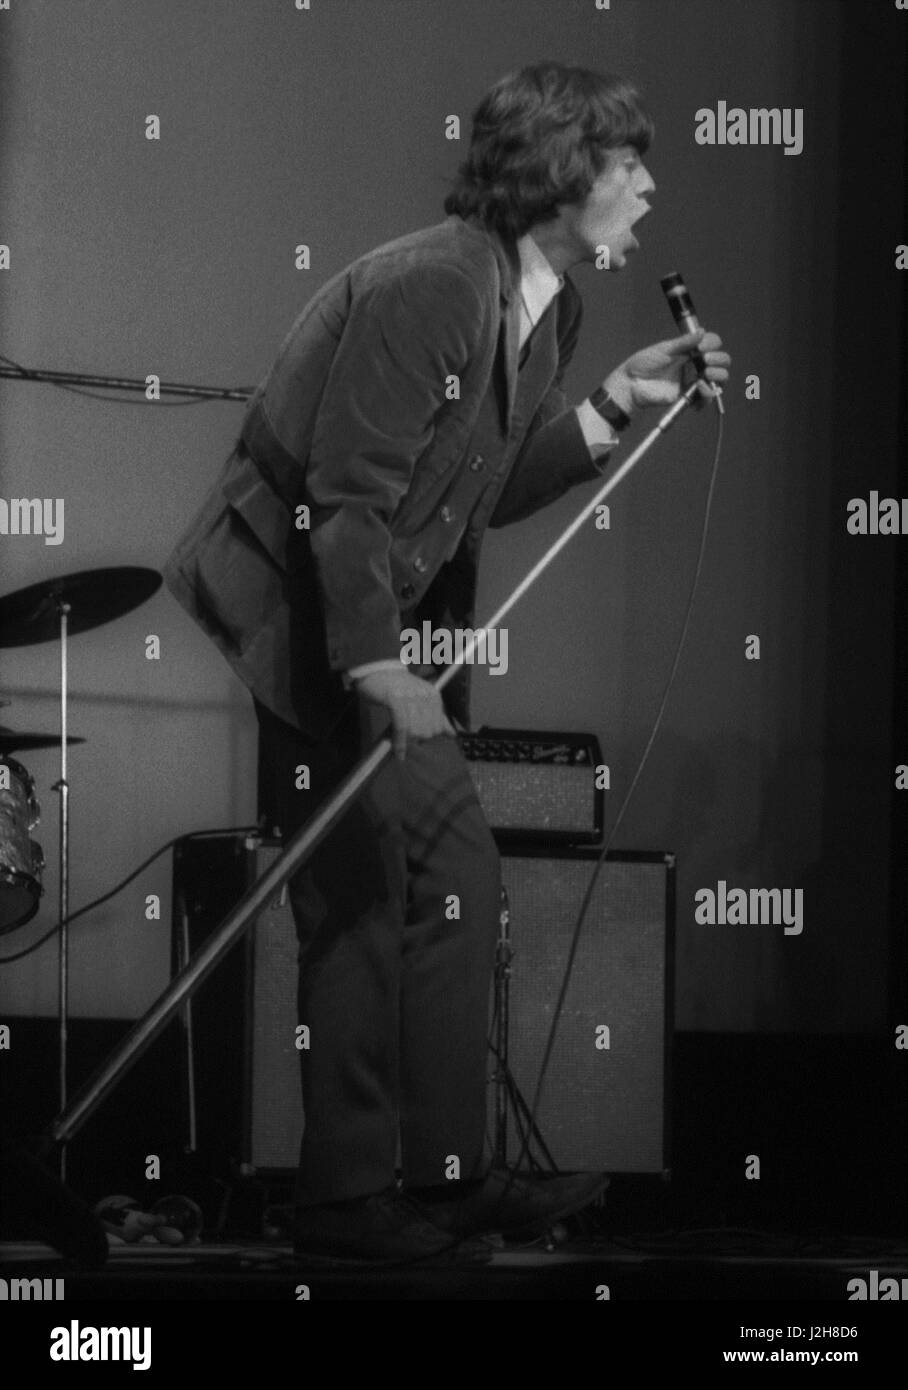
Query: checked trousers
396	915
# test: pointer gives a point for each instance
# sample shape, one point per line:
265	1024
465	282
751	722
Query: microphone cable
588	894
124	883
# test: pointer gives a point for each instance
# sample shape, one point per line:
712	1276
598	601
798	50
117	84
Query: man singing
416	400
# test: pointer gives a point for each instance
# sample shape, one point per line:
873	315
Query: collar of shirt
538	285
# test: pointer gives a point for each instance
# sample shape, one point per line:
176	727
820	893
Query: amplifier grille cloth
599	1109
518	796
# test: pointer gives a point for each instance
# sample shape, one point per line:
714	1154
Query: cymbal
94	597
11	739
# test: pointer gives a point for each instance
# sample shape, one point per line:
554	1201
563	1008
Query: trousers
396	917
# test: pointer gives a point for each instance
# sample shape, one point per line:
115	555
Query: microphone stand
301	845
506	1089
502	993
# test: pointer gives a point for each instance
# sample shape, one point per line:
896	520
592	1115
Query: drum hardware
21	857
53	610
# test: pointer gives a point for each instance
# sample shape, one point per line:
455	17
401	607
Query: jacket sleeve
555	454
401	339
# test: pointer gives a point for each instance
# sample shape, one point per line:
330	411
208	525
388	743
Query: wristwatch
610	410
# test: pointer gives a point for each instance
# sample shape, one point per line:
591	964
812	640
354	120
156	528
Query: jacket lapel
509	305
545	335
546	338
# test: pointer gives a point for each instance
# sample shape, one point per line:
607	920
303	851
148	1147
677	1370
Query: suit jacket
360	419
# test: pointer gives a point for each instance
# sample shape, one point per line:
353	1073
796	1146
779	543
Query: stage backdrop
326	126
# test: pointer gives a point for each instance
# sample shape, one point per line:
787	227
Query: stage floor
715	1265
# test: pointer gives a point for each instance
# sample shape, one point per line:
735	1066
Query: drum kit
53	610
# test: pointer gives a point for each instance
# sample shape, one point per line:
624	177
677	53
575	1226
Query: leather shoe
386	1226
509	1203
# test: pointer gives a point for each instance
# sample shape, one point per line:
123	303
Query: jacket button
446	514
477	463
420	565
407	591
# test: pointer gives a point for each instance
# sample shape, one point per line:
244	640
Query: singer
416	400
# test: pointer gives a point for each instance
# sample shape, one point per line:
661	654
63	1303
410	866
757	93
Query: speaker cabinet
245	1091
209	877
602	1107
604	1102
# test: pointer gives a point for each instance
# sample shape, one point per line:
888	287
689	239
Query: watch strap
609	409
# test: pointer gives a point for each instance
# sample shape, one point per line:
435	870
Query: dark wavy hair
540	138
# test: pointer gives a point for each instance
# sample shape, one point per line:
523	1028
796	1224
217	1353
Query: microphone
685	316
683	311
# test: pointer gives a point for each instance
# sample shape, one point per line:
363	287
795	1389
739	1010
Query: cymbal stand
502	997
507	1092
63	611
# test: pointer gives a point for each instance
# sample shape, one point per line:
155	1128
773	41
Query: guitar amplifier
601	1109
537	788
605	1099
